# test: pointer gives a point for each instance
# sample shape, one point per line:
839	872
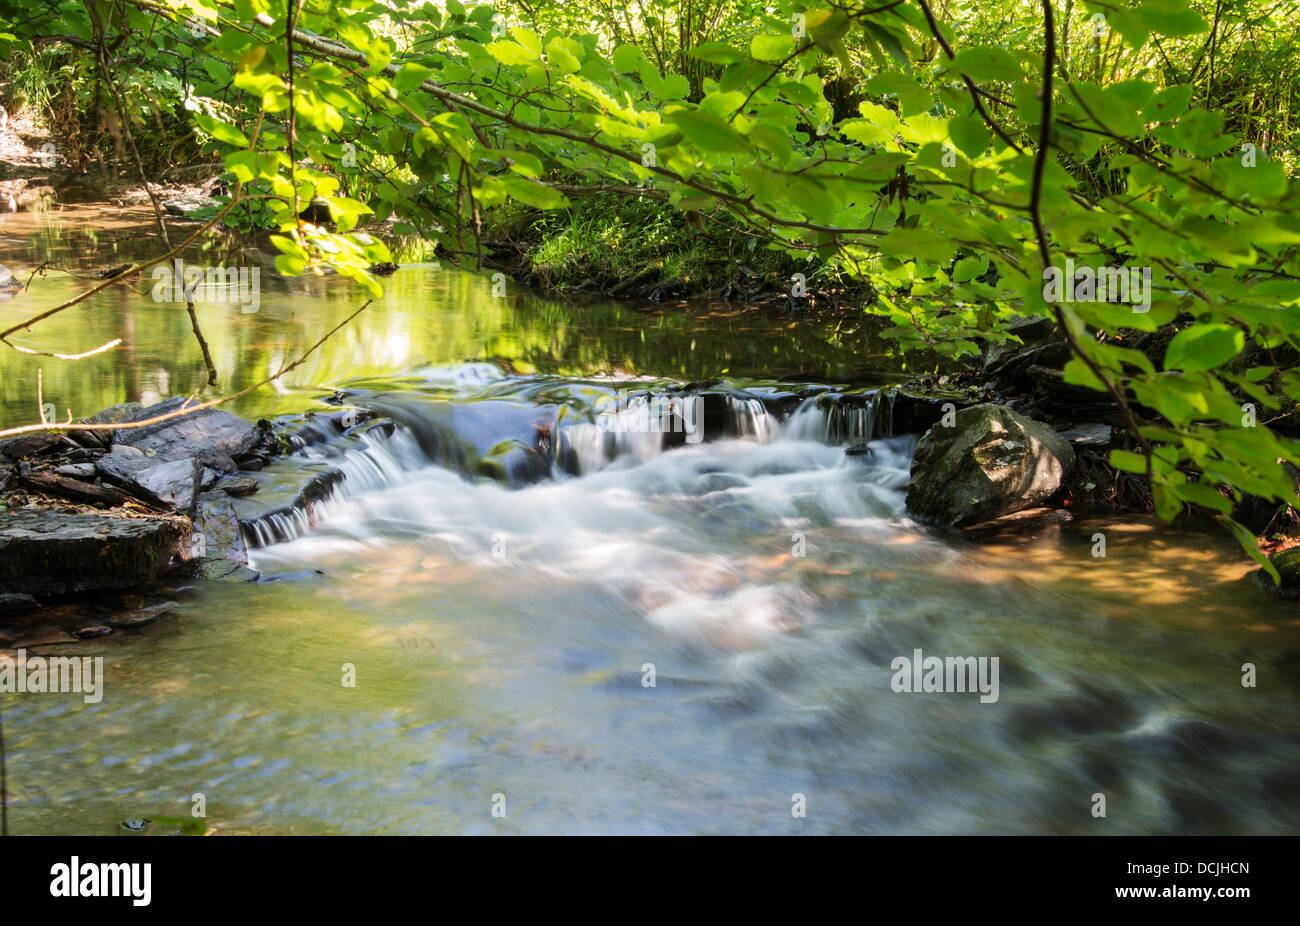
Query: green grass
608	243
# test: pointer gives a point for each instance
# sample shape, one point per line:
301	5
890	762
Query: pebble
239	486
77	470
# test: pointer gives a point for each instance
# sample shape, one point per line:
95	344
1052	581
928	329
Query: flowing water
591	627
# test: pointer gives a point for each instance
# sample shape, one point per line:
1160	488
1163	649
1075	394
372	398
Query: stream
634	631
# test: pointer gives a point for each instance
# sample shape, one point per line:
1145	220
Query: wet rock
91	631
1287	564
1029	330
914	413
43	636
176	483
224	553
77	470
1017	521
284	502
76	490
183	206
991	462
84	454
1089	435
140	616
55	553
172	484
238	486
114	414
212	436
12	603
26	445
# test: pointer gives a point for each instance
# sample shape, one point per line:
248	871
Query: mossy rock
1287	564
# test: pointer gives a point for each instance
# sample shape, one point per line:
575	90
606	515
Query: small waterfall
499	438
842	419
644	426
377	459
752	420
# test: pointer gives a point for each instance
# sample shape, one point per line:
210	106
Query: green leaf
771	48
1251	545
713	52
986	62
223	132
1128	461
532	193
512	53
626	58
969	134
708	132
410	77
565	54
1203	347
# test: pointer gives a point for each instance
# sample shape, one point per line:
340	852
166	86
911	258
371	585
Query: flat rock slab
57	553
24	445
1088	435
213	436
1026	519
140	616
172	483
12	603
114	414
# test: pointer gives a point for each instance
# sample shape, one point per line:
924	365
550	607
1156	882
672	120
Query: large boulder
990	462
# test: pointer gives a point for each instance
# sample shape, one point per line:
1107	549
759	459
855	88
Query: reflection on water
504	639
428	315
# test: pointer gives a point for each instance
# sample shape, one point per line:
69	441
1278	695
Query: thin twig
198	334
